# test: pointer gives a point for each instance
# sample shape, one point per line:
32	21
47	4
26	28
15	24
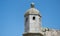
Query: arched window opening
33	18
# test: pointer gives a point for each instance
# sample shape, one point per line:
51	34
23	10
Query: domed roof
32	10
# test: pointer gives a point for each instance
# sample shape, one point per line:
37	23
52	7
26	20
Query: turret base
32	34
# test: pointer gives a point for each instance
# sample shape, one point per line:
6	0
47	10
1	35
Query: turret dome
32	10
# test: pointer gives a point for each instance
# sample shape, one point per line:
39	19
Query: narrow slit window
33	18
26	19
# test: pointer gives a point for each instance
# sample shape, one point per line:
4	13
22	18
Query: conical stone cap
32	11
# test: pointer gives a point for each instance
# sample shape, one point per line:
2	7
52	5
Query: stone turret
32	22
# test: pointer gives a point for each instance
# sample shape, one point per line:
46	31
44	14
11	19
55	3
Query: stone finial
32	5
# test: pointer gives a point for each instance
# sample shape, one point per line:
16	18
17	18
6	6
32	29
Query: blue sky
12	15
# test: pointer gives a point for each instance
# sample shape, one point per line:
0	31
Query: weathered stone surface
58	32
52	32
